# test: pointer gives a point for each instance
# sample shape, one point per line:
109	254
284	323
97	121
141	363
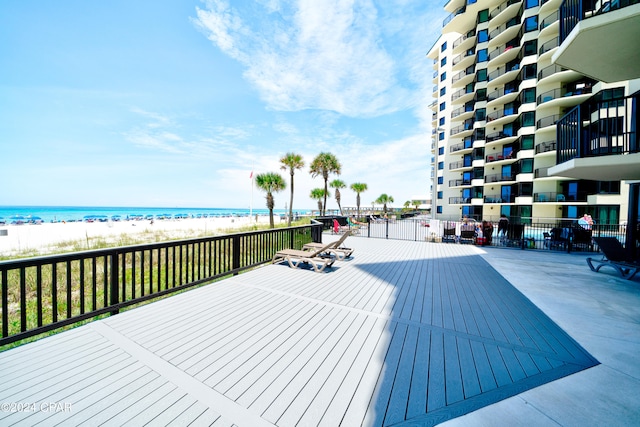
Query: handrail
45	293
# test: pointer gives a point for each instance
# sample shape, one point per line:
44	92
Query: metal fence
45	293
562	235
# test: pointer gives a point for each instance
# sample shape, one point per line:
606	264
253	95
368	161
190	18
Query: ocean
11	214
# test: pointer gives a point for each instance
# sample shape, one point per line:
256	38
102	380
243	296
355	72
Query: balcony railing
459	182
46	293
547	121
462	146
545	147
574	11
502	113
510	23
549	71
500	177
551	44
599	128
560	93
495	12
549	20
460	164
459	200
554	197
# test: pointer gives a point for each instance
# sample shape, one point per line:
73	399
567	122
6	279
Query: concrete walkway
601	312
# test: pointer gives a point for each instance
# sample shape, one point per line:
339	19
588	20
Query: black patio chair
615	256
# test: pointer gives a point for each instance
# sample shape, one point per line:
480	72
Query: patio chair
316	258
468	236
614	256
449	235
334	248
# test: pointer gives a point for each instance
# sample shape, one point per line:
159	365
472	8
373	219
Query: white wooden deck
404	333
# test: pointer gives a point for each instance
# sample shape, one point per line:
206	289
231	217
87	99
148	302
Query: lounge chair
316	258
615	257
333	248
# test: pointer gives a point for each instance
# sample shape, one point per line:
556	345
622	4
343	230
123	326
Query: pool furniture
615	257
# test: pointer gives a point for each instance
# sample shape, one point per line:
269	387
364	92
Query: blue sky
174	103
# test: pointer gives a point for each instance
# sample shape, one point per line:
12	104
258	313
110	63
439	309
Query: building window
527	142
530	47
528	95
481	114
443	76
528	119
440	195
439	209
482	56
441	121
529	72
441	136
441	151
481	75
443	61
440	180
443	105
440	166
483	16
483	36
526	166
443	91
443	47
481	94
531	24
528	4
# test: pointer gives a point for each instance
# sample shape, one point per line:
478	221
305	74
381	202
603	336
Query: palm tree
291	161
318	194
383	200
406	205
358	187
338	184
324	164
271	182
416	203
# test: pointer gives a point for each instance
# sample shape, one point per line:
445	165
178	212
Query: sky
176	103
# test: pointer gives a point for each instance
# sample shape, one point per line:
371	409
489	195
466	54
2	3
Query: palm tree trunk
270	206
358	204
290	202
338	200
324	206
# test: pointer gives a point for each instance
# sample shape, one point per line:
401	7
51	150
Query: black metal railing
574	11
560	235
599	128
42	294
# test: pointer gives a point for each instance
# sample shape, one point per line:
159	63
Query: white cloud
312	55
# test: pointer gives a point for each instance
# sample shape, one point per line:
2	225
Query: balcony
549	20
504	12
553	197
609	28
505	73
548	46
467	145
462	164
504	156
502	116
558	94
465	42
459	200
546	147
459	182
500	177
547	121
504	32
463	112
598	139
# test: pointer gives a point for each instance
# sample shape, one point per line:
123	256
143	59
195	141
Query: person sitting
503	225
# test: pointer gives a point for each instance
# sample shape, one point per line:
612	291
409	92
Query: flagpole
251	202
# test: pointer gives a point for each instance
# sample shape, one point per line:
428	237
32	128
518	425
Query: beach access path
404	333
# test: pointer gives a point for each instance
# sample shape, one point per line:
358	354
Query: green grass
82	284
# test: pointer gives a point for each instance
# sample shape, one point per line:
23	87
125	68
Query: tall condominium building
501	85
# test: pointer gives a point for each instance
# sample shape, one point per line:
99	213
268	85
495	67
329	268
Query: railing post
386	221
114	297
235	257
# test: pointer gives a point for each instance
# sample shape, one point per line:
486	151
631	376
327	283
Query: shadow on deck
403	333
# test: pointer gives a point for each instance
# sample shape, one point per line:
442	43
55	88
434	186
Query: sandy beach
49	237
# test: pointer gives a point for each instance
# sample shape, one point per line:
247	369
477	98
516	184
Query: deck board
402	332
